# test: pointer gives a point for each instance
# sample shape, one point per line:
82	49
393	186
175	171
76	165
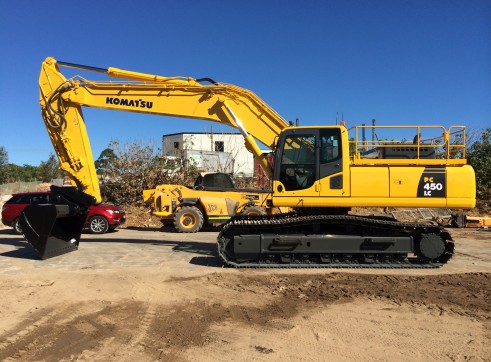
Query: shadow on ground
207	251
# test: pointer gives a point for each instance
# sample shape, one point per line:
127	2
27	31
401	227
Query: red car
100	219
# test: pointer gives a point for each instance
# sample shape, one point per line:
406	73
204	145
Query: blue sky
401	62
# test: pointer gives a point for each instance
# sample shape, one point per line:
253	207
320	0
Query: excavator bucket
55	229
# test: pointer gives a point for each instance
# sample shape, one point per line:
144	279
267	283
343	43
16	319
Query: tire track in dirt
147	330
68	330
464	294
20	335
134	347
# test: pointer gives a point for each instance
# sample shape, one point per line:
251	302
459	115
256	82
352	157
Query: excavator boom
61	101
49	228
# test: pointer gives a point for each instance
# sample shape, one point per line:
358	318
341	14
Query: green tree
10	172
25	173
105	161
479	156
4	159
49	170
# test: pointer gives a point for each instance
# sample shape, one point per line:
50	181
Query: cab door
331	176
296	168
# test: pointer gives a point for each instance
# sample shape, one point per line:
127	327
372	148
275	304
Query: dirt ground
142	294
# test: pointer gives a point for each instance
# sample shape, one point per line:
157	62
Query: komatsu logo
136	103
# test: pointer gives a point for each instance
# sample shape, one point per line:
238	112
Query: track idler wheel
432	247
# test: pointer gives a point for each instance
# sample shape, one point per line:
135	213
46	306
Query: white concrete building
223	152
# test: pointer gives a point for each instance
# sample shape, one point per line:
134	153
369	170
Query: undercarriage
332	241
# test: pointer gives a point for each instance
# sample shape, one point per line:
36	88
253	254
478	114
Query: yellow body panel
397	186
404	181
347	202
217	208
369	182
325	191
461	186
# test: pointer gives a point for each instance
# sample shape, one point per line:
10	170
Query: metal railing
426	145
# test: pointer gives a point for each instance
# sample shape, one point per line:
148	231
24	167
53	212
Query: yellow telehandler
212	200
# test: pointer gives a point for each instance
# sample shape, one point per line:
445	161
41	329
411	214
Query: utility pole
363	138
373	131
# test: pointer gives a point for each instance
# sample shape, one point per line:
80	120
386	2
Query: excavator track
332	241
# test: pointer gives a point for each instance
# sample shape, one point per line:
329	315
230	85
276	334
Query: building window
219	146
176	145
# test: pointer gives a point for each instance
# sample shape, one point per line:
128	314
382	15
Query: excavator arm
62	101
55	229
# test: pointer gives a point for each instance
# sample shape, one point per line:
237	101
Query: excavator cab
55	229
309	162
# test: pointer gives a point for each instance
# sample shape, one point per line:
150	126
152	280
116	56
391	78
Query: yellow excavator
317	170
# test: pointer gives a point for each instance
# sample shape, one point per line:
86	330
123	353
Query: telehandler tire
253	210
188	219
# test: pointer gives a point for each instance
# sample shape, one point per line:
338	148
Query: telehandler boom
317	171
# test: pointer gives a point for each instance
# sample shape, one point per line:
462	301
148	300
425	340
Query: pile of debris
443	217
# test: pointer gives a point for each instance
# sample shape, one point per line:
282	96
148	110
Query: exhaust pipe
55	229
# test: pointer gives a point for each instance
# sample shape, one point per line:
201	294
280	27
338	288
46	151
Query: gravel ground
146	294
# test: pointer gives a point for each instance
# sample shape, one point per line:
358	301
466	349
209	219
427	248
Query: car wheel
189	219
98	225
17	227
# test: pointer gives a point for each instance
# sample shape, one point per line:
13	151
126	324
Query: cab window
330	145
297	170
39	199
